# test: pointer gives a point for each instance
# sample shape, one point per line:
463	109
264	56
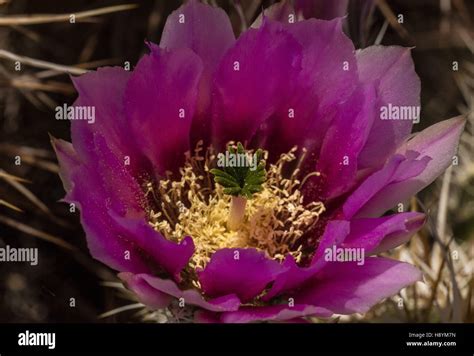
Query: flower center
274	220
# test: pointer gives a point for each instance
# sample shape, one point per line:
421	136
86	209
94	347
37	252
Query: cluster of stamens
275	219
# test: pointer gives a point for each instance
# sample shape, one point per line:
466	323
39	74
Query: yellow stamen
274	220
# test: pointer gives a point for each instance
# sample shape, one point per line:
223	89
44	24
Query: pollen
275	219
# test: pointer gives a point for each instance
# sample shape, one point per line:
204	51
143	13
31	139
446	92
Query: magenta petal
335	233
244	272
261	67
203	28
380	234
103	90
334	74
439	144
145	293
273	313
392	70
398	169
294	276
105	193
191	296
345	287
167	254
104	242
160	102
400	237
344	141
68	161
326	82
316	94
113	173
206	31
105	245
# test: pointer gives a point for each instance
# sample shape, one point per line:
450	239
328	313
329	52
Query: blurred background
40	36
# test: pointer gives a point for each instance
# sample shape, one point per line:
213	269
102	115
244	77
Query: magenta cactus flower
252	179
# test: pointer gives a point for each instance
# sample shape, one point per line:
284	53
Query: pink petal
400	168
273	313
392	70
344	141
203	28
145	293
168	255
166	286
207	31
244	272
439	143
346	288
103	90
293	276
375	235
163	86
68	161
258	69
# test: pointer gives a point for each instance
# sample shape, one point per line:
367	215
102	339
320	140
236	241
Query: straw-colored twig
49	18
28	194
392	19
49	86
121	310
38	63
10	205
36	233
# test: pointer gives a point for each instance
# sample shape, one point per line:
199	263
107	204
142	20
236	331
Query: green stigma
241	173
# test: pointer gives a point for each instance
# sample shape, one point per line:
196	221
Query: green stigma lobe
240	172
